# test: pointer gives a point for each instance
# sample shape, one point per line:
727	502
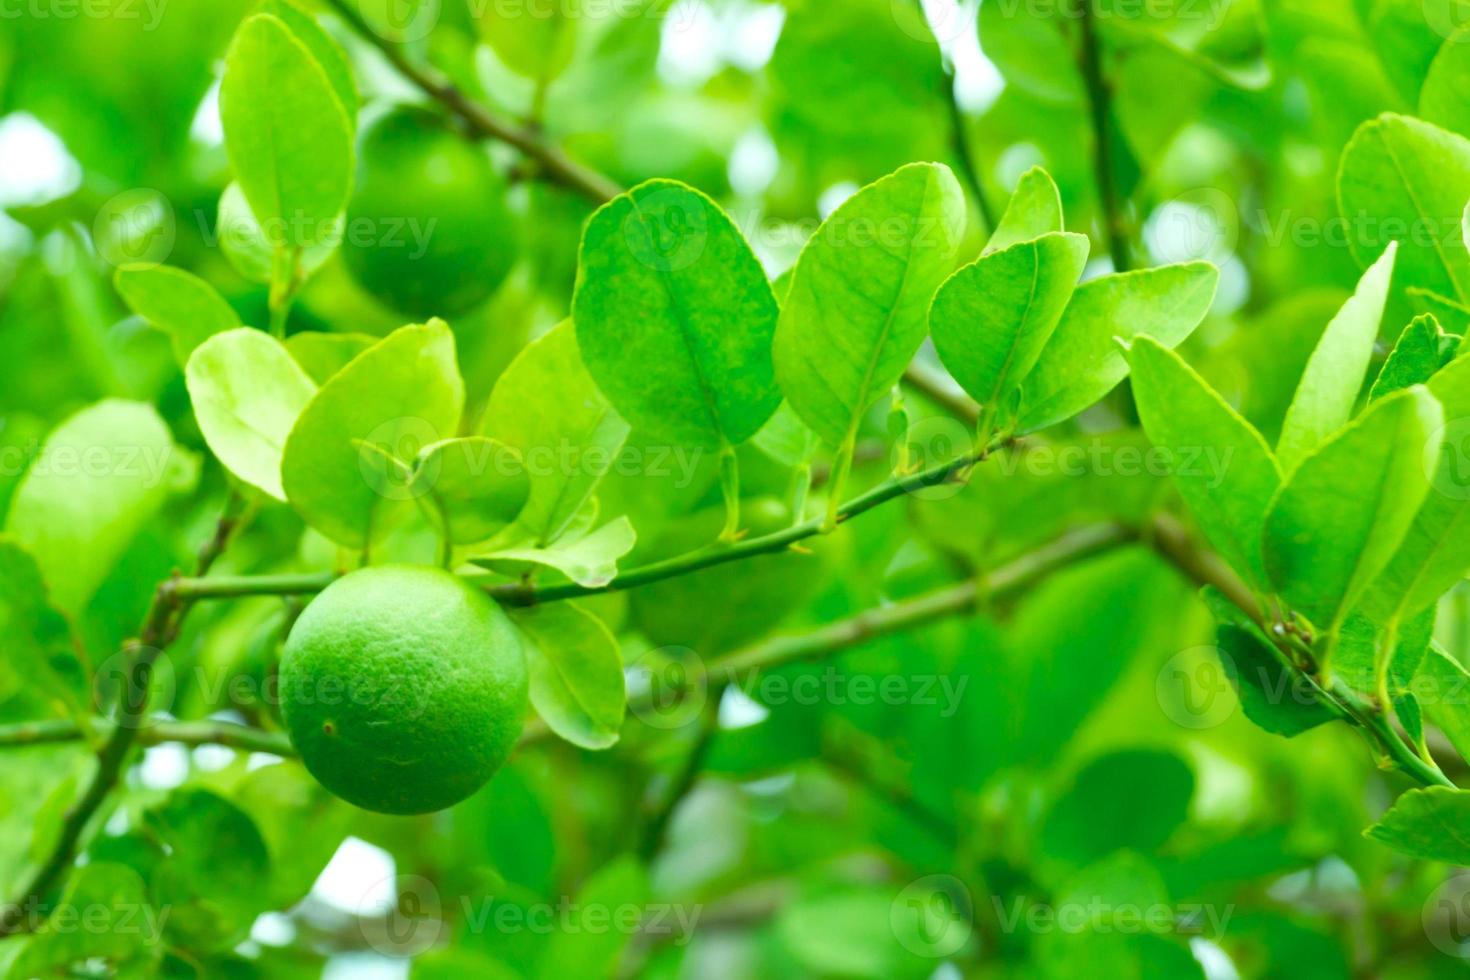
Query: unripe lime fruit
428	231
403	688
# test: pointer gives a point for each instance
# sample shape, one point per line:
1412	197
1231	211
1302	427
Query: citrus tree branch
1174	544
555	164
161	625
954	600
51	731
1100	109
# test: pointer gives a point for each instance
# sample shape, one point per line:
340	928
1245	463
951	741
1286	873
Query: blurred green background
996	795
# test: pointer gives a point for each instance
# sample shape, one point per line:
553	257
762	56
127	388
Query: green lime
428	231
403	688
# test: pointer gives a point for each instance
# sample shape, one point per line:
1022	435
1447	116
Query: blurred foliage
1059	784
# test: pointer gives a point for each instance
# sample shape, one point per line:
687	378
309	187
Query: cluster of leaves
1036	757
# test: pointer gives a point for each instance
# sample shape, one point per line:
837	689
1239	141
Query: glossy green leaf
1323	546
533	40
1435	553
1413	360
991	319
1363	643
1035	209
618	885
247	393
548	408
179	303
1430	824
857	309
43	652
250	251
100	477
211	902
1442	687
1082	363
590	560
288	135
1270	693
398	396
576	673
1442	97
322	355
1221	465
301	823
1131	799
328	53
1405	180
477	486
675	317
1334	375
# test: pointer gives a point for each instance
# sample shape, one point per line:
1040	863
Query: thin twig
555	164
160	627
1100	110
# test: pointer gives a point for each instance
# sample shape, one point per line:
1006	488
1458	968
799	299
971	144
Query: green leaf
247	392
1441	686
1363	642
301	823
547	407
1334	375
1134	799
1435	552
478	485
590	560
400	395
287	133
1405	180
212	903
328	53
580	951
991	319
1035	209
1270	693
1082	363
99	478
1222	466
1413	360
856	312
576	673
322	355
42	654
1432	824
536	41
675	317
1442	96
846	933
179	303
1340	517
250	251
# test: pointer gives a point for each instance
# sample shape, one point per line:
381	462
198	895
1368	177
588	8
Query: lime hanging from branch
403	688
